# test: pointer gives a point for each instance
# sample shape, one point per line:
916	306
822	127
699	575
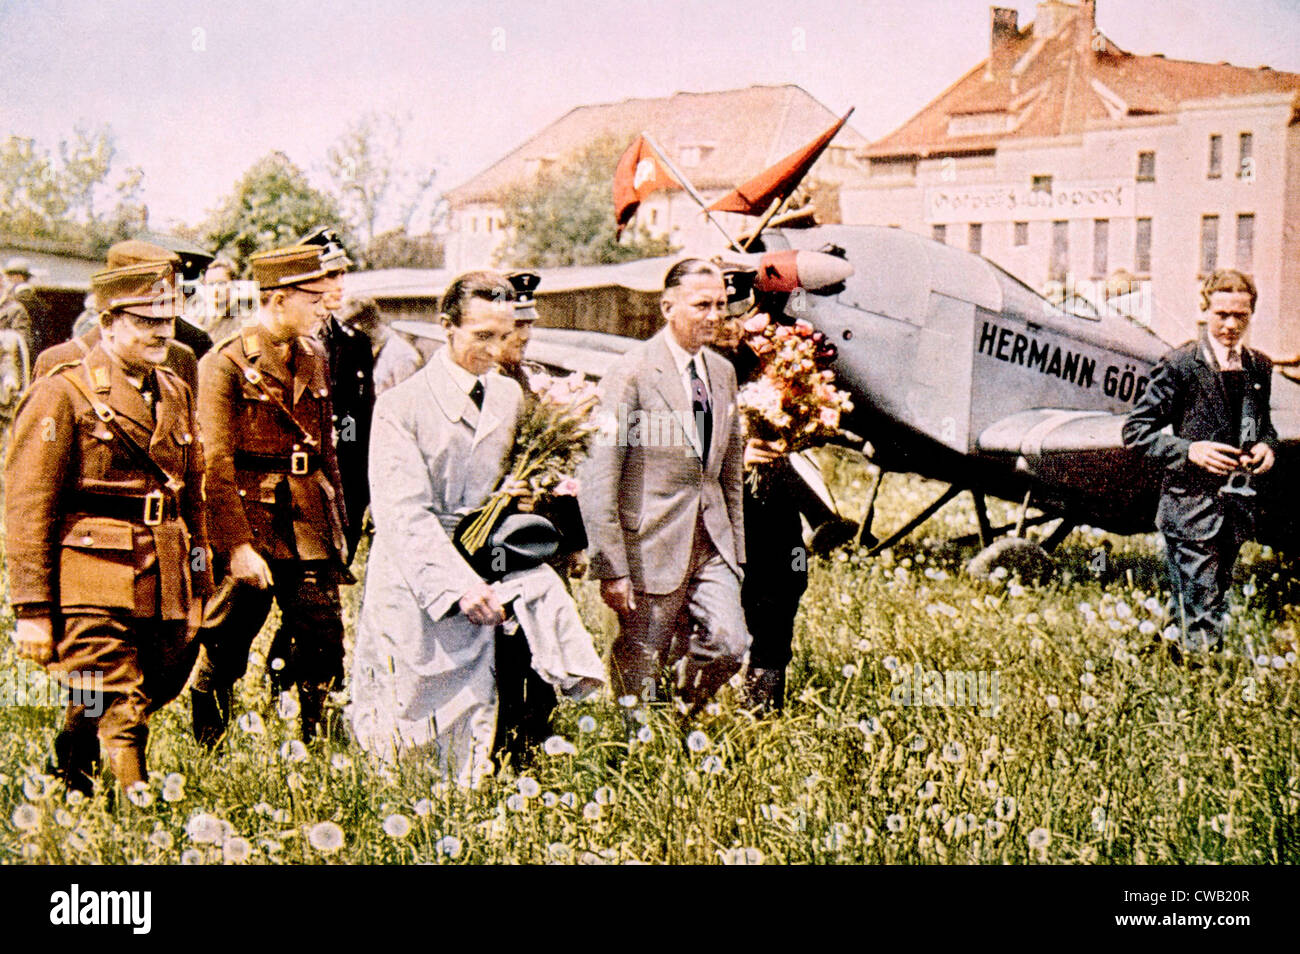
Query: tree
566	216
364	164
42	198
272	205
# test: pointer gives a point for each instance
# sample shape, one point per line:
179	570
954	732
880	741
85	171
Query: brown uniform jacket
180	358
253	494
73	553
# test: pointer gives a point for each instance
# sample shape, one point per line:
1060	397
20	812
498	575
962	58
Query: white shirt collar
1221	353
463	380
682	357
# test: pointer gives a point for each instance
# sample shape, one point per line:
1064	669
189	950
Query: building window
654	216
1246	241
1246	156
473	223
939	233
1209	243
1060	264
690	156
975	237
1100	247
1021	236
489	224
1216	157
1146	167
1142	248
1040	184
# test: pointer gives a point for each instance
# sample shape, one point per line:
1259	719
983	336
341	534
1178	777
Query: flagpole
686	184
767	217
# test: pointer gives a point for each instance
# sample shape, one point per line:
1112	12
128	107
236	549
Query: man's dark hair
688	267
486	285
1228	280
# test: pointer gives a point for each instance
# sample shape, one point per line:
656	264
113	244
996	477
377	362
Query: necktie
476	394
148	392
1234	360
702	408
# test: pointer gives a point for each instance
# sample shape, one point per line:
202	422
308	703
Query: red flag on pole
639	173
777	181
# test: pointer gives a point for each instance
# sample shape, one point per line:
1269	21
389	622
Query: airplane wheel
835	533
1017	556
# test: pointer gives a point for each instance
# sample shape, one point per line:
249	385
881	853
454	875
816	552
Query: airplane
961	373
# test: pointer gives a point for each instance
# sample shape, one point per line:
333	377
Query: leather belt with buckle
151	509
298	463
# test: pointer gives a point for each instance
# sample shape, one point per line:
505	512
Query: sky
196	91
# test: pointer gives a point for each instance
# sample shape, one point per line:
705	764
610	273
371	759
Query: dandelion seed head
26	818
586	724
293	751
236	850
1040	838
161	839
894	823
326	837
251	723
697	741
397	825
559	745
528	786
516	803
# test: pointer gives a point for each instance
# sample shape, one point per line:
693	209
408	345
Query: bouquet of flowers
551	439
793	399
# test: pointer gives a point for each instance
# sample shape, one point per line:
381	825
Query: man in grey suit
1214	396
661	499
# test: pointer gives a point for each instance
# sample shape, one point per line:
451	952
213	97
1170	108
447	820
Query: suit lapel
668	382
720	403
110	383
1207	371
496	401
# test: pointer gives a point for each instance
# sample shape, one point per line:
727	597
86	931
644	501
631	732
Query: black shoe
765	690
75	762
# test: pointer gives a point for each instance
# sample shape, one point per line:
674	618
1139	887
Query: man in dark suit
1214	393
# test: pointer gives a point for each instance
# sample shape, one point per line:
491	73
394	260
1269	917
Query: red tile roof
747	130
1059	84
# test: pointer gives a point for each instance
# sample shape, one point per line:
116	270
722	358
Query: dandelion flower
528	786
712	765
293	751
251	723
591	811
894	823
236	850
1052	700
1040	837
191	856
326	837
397	825
586	724
448	845
287	708
204	828
559	851
162	839
559	745
26	818
697	741
140	795
644	734
890	663
422	807
953	751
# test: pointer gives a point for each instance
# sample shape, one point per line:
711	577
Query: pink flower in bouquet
756	324
803	328
568	487
829	417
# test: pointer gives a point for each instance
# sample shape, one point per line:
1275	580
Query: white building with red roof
1063	157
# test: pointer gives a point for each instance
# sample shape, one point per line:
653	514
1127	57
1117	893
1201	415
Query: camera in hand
1240	483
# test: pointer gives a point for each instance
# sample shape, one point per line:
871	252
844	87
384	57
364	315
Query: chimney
1003	34
1049	17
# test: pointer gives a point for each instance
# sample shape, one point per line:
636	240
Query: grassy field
1100	750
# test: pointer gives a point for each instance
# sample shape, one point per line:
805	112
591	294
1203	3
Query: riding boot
211	714
76	759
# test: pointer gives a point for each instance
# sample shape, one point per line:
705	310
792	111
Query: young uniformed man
275	503
105	526
1213	397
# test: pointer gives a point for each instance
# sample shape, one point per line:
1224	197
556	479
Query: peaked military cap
141	279
193	259
298	266
525	286
18	266
335	256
